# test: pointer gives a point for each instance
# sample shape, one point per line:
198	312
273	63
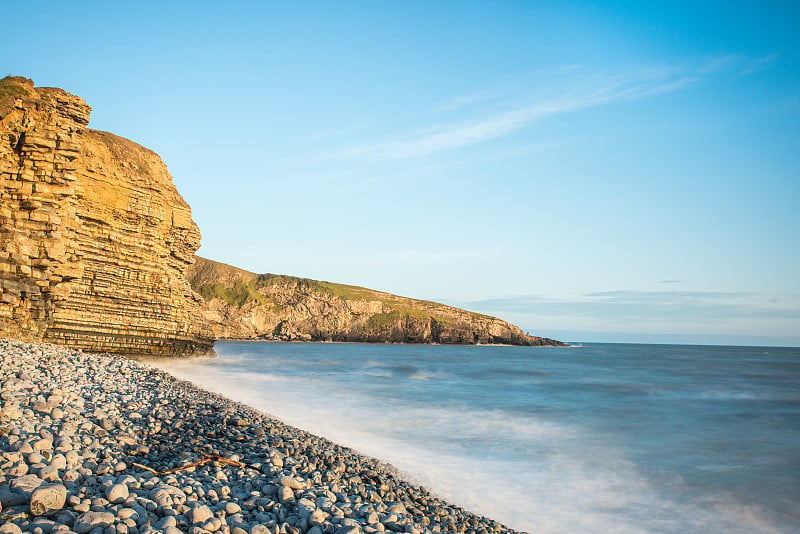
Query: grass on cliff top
236	295
417	309
11	88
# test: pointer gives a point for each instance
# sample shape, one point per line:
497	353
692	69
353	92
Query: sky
590	171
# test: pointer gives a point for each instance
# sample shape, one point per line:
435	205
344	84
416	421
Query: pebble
285	494
77	429
117	493
47	499
200	514
89	521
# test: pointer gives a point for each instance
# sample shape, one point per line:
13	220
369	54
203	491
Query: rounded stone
48	499
89	521
59	461
200	514
232	508
10	528
117	493
292	482
285	493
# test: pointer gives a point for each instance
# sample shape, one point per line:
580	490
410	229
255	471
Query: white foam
532	474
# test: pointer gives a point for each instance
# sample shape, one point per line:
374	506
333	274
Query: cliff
244	305
95	240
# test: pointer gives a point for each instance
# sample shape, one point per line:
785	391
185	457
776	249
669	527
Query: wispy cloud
566	90
467	133
505	88
646	306
736	63
632	295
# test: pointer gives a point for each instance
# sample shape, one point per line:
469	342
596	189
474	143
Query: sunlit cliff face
95	238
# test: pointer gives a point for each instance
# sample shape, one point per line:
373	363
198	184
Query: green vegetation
11	88
279	280
348	292
213	280
380	321
311	309
237	295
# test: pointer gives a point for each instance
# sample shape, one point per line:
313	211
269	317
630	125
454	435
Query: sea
616	438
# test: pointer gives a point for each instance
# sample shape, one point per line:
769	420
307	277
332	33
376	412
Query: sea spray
623	438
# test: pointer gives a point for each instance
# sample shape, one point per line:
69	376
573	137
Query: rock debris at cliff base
81	435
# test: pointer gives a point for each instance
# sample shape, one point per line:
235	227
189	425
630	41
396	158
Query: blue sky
616	171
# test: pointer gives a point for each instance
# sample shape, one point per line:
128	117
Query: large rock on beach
47	499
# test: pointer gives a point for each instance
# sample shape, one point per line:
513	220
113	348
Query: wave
533	473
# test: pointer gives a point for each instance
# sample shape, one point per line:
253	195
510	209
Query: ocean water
594	438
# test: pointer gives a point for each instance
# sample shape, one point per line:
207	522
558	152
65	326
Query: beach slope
98	443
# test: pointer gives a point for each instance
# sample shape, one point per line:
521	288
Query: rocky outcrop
95	240
244	305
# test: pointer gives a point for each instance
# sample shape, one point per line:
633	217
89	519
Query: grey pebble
80	421
89	521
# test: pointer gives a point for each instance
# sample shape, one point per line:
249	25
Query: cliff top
58	101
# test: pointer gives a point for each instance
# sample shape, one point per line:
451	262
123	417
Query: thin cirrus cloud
451	136
646	306
566	90
737	63
505	88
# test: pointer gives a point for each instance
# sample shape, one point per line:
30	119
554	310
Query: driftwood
207	458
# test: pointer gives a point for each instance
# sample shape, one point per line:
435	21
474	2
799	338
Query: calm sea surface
594	438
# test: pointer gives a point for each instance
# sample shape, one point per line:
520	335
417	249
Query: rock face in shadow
95	240
244	305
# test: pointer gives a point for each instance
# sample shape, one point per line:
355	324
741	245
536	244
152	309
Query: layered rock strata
95	240
244	305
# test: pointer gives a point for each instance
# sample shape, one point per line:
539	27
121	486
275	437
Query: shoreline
81	436
332	342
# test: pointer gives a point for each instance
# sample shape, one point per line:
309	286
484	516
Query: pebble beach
101	444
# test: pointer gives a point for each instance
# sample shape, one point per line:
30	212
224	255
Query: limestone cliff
95	240
244	305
